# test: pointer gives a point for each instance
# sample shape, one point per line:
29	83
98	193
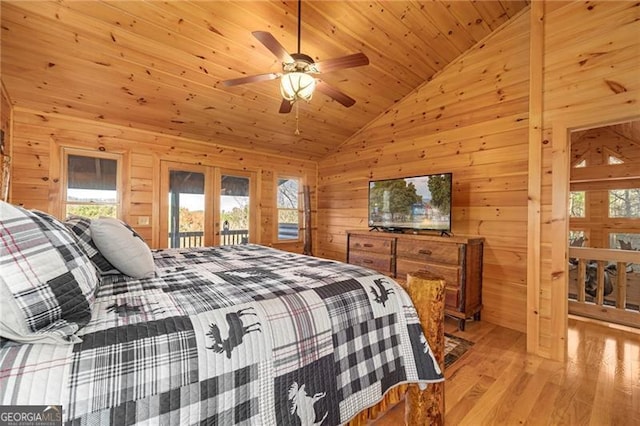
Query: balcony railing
229	237
186	239
286	231
196	238
605	284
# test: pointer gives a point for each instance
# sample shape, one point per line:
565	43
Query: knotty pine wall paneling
470	120
38	138
591	79
5	125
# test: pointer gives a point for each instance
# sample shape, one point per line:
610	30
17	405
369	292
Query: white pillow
122	247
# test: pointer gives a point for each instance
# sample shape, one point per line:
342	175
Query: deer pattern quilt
228	335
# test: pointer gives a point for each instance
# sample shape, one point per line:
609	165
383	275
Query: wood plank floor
498	383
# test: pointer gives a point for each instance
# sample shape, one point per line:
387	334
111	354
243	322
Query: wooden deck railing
186	239
286	231
229	237
196	238
626	292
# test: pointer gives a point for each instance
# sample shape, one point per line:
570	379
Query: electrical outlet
143	220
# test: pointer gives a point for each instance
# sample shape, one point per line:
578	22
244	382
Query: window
624	240
624	203
92	182
577	238
235	211
577	204
288	212
614	160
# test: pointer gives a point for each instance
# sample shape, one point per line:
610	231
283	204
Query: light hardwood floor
498	383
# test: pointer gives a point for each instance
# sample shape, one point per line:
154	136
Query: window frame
619	218
300	180
118	157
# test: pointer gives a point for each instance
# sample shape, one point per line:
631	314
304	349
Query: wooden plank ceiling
159	65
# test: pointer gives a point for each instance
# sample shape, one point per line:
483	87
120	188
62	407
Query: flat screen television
419	203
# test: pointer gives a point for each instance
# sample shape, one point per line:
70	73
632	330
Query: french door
205	206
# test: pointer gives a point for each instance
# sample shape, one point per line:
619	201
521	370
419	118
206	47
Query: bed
240	334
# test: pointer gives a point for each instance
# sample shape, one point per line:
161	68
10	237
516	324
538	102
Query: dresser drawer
451	274
429	251
373	245
378	262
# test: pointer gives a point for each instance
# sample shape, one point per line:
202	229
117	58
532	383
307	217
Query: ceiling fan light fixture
295	86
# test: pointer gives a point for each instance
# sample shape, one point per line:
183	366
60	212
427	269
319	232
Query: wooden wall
591	78
5	125
474	119
470	120
597	177
510	158
38	138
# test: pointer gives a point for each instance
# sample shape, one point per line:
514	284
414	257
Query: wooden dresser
456	259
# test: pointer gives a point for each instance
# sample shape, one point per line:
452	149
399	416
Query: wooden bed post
426	407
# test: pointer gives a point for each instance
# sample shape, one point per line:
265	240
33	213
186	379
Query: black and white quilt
228	335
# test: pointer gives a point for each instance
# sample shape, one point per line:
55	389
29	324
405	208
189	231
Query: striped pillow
48	284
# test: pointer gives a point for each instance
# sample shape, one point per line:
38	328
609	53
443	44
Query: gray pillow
122	247
80	227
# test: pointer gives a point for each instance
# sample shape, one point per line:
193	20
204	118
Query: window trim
118	157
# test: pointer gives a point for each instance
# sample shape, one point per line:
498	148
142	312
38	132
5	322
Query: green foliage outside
191	221
288	215
238	217
576	203
440	188
401	196
92	210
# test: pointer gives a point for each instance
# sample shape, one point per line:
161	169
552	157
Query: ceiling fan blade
334	93
251	79
349	61
273	45
285	106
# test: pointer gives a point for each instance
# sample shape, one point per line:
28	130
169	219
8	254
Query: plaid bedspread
228	335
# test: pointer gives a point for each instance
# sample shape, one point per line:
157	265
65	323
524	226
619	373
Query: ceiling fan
297	80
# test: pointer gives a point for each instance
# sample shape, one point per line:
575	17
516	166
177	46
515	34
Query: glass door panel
186	209
205	206
234	209
184	215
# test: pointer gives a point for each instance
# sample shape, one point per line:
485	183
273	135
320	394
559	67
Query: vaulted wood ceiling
159	65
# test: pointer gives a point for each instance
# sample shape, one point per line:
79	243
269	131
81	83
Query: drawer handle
425	252
367	261
368	245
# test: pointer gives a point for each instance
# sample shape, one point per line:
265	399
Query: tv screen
418	203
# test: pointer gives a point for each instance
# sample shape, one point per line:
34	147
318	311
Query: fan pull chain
297	132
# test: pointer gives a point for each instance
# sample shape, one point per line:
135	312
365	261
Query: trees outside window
288	208
576	204
624	203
